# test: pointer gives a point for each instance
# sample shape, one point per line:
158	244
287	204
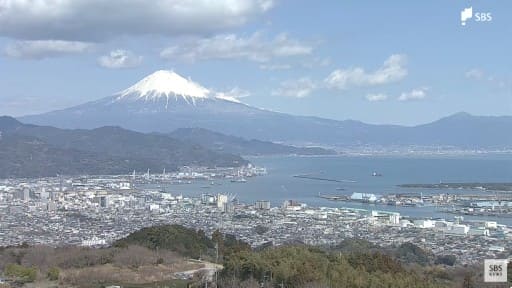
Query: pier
334	197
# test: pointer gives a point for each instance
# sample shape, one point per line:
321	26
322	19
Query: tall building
207	199
43	195
51	206
24	194
104	202
221	200
229	208
262	205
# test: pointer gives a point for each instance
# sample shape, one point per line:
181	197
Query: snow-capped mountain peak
164	84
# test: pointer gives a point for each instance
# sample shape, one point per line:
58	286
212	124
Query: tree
409	252
218	239
134	256
448	260
187	242
260	229
21	273
469	282
53	274
200	278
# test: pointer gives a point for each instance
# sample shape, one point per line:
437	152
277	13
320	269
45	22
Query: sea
355	174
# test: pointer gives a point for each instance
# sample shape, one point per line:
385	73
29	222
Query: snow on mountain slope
166	85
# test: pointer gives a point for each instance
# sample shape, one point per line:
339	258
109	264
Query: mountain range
33	151
164	101
240	146
29	157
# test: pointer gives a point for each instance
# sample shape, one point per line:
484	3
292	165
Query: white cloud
499	82
295	88
376	97
233	95
230	46
392	70
475	73
97	20
415	94
40	49
118	59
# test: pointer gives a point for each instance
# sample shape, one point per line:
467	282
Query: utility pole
216	262
217	249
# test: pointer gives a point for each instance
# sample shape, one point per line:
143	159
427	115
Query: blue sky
400	62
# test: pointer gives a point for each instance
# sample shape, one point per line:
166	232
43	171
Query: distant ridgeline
38	151
238	145
165	101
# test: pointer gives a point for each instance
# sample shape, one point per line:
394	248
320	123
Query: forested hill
28	149
238	145
155	254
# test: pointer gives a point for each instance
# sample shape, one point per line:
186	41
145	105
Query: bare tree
134	256
38	256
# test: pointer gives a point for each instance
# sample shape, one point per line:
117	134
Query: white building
479	231
405	223
221	200
263	205
125	186
154	207
458	229
293	205
424	223
363	197
167	196
95	241
386	217
442	225
497	248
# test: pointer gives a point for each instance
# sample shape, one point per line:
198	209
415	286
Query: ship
239	180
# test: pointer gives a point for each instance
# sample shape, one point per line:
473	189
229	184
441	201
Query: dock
334	197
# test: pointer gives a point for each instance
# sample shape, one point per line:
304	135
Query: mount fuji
165	101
